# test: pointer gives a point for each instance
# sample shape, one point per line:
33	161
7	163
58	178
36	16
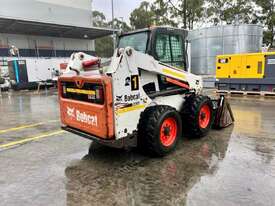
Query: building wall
44	46
67	12
31	42
78	4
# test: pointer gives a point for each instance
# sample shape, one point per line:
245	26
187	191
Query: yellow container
242	66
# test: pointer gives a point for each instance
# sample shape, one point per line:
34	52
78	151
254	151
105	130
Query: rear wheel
197	115
159	130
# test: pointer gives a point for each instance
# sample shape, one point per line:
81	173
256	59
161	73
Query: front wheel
159	129
197	115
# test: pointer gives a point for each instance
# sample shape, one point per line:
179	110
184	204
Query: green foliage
188	11
183	13
99	19
266	15
142	17
267	37
157	13
104	46
120	25
228	11
162	14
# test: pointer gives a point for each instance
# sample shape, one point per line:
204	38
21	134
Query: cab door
169	47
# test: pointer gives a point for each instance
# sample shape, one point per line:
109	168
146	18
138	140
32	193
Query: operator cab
165	44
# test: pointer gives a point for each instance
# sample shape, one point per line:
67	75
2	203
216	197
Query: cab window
137	41
170	49
163	49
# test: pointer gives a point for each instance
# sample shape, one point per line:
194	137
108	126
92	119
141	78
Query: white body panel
129	103
173	101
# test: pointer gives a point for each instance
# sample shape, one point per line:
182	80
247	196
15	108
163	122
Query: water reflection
108	176
247	175
27	108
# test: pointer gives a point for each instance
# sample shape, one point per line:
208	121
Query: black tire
150	124
191	115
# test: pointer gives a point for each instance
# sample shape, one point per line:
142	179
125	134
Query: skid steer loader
145	97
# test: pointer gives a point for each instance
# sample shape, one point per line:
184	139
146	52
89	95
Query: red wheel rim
168	131
204	116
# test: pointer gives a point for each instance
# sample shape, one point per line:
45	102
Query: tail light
99	93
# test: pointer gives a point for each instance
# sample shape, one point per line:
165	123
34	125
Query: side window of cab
169	49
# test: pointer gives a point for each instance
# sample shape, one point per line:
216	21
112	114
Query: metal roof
26	27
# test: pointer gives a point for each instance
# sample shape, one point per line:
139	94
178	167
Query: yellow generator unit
246	72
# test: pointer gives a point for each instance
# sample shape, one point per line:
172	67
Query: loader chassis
138	99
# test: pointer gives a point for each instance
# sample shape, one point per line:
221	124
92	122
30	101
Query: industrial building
40	29
47	28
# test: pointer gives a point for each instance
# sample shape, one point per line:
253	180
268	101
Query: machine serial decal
173	73
80	91
133	81
131	108
82	116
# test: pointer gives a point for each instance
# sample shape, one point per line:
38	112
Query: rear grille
89	92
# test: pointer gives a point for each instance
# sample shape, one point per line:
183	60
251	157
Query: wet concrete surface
234	166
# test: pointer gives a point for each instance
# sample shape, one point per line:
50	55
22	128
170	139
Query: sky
122	8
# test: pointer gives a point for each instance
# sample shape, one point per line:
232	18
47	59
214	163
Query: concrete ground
42	165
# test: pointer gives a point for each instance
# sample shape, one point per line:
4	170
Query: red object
168	131
204	116
90	63
176	82
63	66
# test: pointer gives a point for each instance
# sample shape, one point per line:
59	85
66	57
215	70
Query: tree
162	14
104	46
120	25
99	19
228	11
266	15
189	11
142	17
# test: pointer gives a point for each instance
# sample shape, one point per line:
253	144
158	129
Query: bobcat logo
119	98
70	112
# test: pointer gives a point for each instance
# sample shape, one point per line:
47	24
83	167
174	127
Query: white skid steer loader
144	98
